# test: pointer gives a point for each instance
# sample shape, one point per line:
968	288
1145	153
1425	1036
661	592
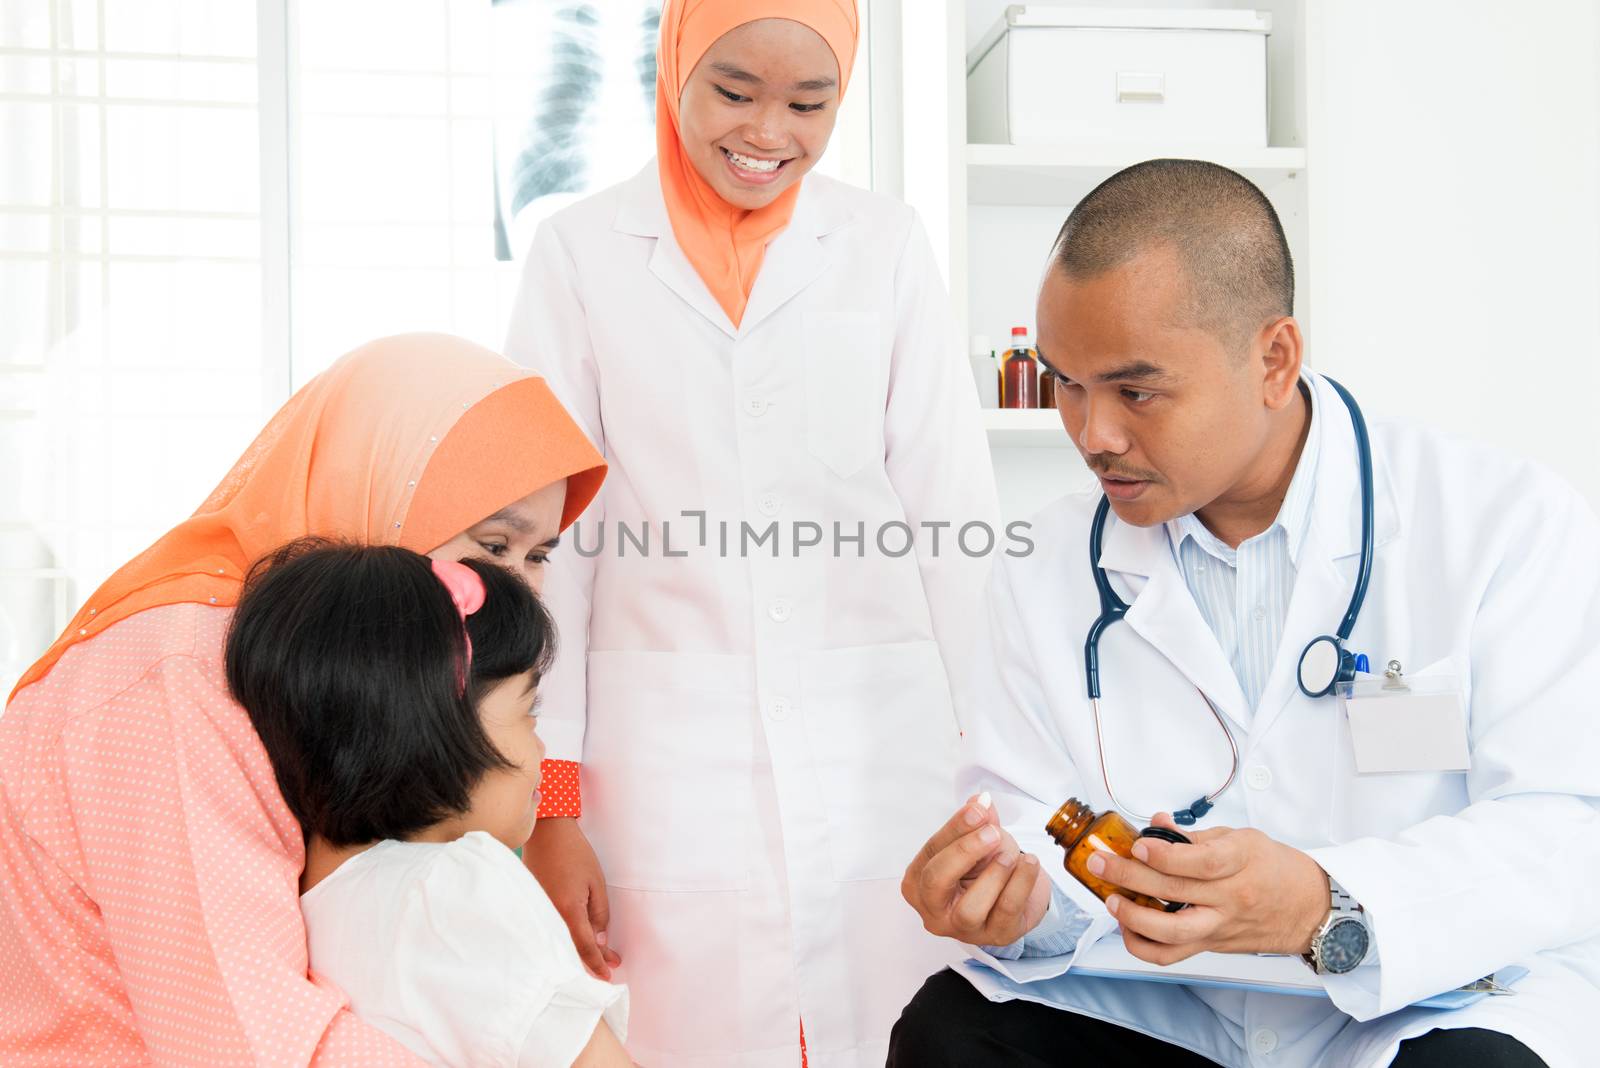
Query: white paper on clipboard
1111	959
1108	958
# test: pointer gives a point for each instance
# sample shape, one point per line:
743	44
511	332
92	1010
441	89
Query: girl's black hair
348	659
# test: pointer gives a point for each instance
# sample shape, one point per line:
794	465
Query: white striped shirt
1243	594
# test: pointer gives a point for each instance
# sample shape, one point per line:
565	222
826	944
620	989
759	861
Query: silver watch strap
1340	899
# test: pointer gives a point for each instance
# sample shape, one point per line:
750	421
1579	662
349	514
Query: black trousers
950	1025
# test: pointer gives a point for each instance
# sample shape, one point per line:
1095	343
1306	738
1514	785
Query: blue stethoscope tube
1325	656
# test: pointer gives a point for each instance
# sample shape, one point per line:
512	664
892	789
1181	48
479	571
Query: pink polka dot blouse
149	870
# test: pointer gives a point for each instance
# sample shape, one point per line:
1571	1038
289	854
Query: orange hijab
724	243
405	441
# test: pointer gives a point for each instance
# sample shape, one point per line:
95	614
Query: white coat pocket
845	389
1384	804
880	721
667	752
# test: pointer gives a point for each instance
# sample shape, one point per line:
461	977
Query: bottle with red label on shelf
1019	386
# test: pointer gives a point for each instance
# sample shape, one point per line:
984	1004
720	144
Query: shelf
1025	429
1062	174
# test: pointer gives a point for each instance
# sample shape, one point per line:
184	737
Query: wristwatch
1340	944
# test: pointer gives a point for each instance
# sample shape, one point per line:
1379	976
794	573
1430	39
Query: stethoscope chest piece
1323	665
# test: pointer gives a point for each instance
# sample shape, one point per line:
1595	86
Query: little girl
395	697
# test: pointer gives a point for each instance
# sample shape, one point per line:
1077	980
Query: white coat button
756	406
779	710
1261	613
1258	777
1264	1041
780	610
769	503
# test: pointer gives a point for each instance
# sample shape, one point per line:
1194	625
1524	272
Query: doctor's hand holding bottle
1246	892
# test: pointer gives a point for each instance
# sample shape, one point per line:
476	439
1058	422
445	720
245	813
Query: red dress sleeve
558	790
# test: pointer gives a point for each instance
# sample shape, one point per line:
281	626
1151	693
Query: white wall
1455	168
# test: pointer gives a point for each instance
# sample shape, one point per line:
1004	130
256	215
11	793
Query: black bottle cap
1175	837
1165	835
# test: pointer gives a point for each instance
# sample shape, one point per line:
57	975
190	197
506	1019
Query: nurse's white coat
1484	563
765	739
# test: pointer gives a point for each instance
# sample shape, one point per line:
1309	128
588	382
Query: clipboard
1108	958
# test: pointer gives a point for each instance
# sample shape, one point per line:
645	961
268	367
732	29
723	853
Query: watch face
1343	945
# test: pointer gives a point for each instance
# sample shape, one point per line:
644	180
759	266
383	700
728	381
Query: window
392	135
130	286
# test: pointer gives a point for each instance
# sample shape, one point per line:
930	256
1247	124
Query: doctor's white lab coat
767	734
1486	566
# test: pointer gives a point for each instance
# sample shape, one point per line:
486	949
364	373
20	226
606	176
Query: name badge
1407	723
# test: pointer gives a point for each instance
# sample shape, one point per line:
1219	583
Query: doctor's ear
1282	351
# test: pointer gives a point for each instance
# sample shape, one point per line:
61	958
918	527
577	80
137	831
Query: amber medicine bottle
1019	386
1082	833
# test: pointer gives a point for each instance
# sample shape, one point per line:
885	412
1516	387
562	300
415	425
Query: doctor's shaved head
1165	317
1224	231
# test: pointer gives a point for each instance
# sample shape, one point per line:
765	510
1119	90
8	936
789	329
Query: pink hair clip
465	587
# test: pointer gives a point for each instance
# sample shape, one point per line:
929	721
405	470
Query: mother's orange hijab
405	441
724	243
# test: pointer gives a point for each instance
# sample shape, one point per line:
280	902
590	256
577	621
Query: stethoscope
1324	662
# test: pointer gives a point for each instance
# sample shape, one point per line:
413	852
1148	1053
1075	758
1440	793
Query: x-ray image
574	83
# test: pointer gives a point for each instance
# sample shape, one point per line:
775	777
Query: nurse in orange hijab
767	613
149	868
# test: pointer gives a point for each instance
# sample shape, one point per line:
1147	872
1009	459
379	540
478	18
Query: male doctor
1402	852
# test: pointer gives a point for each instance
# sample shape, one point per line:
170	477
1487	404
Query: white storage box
1075	75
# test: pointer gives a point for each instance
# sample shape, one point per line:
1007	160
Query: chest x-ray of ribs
561	132
645	65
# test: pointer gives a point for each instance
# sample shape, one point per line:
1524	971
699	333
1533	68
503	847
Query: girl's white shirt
455	950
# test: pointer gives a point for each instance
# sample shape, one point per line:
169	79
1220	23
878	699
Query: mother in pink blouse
149	869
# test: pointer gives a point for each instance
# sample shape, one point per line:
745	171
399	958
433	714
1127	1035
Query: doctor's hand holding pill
1190	645
769	623
971	881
